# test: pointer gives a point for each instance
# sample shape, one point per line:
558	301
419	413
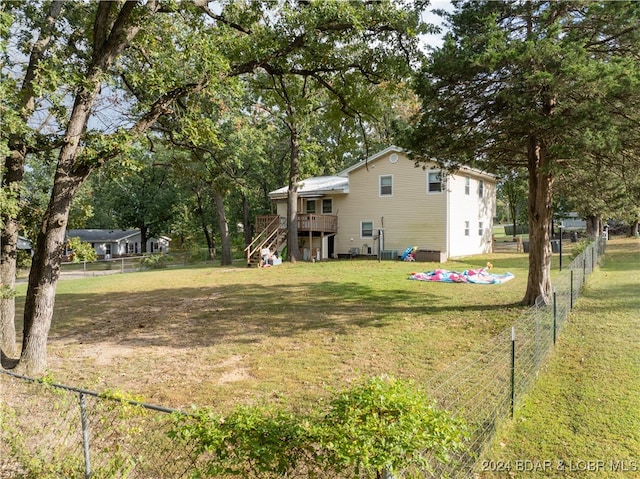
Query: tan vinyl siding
410	216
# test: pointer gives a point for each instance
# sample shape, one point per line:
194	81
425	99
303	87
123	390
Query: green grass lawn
582	418
219	336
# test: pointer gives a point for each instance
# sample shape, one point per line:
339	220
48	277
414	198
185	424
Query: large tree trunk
9	243
14	172
246	220
225	258
292	199
144	237
45	268
205	228
593	226
540	214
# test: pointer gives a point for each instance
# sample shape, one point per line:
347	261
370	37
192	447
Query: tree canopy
539	85
85	82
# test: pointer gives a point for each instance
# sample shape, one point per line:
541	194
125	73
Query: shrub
383	424
579	248
155	261
388	424
81	251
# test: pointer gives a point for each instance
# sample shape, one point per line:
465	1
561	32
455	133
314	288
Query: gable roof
321	185
397	149
370	159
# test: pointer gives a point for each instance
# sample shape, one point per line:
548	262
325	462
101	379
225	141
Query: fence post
584	268
85	436
513	368
571	292
555	315
122	265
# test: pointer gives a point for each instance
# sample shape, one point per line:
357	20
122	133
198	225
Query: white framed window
386	185
434	181
480	188
327	206
480	228
366	229
311	207
467	185
466	228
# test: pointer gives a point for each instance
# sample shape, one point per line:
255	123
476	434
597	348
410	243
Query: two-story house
385	204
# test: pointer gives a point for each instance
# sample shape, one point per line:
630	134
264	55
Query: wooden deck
306	223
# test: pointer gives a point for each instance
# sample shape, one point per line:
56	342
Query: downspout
448	221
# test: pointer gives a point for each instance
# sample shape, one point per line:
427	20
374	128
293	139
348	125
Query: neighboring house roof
102	236
24	243
316	186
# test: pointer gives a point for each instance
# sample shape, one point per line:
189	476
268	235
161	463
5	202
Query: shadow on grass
249	313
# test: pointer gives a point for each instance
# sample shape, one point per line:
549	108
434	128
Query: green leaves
381	424
391	424
81	251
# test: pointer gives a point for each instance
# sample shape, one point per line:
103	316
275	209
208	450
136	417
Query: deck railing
306	222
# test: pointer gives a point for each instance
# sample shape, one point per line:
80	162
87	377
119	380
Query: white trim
373	228
442	185
380	186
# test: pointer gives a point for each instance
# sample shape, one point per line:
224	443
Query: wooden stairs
273	236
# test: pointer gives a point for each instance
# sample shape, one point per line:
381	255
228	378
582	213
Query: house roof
105	236
397	149
316	186
101	236
375	156
321	185
24	243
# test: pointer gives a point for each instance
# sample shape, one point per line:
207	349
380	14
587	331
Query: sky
429	17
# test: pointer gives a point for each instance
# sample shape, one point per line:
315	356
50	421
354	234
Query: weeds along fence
53	431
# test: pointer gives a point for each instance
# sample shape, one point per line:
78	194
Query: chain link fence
484	386
52	430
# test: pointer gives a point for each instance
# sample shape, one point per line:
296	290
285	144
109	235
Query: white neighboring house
117	243
573	222
385	204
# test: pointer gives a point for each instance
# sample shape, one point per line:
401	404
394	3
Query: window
327	206
386	185
435	182
311	207
466	228
366	229
480	188
467	185
480	228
